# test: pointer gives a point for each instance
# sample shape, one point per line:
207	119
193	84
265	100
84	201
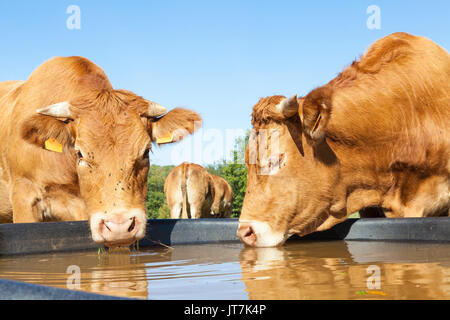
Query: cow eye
81	159
144	160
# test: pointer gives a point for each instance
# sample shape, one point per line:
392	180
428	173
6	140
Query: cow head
291	171
108	135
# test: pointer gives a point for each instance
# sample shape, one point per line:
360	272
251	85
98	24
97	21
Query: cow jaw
119	229
260	234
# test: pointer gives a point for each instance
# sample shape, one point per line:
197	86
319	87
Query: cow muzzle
259	234
118	229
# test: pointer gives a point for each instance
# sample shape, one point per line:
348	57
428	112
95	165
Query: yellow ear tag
317	122
167	139
53	145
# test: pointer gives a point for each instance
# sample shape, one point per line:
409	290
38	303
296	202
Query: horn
58	110
154	110
288	107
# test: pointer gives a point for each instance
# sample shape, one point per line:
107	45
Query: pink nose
118	230
247	235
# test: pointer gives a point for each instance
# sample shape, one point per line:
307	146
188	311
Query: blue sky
216	57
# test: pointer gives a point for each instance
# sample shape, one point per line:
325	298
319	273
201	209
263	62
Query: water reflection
338	270
184	272
298	270
118	272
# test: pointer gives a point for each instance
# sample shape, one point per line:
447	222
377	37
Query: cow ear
316	112
47	132
174	126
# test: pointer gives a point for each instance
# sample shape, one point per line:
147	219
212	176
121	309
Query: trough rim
54	237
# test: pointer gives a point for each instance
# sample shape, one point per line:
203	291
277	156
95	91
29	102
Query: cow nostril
247	235
248	232
133	225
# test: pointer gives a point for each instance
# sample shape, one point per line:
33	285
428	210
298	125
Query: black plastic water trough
74	236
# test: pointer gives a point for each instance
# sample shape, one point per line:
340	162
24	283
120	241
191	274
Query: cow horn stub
58	110
288	107
154	110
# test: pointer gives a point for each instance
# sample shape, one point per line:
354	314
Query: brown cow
194	193
378	135
74	148
339	270
223	199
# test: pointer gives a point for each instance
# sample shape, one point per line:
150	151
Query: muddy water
298	270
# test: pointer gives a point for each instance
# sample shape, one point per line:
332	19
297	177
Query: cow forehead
108	132
266	142
265	135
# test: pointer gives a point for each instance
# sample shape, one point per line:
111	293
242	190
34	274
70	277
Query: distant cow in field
194	193
74	148
377	135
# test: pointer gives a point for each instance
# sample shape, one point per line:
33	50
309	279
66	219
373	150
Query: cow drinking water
378	135
74	148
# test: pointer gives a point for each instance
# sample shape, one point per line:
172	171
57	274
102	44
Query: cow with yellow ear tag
75	148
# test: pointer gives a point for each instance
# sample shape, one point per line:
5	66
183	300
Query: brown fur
194	193
223	197
298	272
382	140
181	123
107	125
265	111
